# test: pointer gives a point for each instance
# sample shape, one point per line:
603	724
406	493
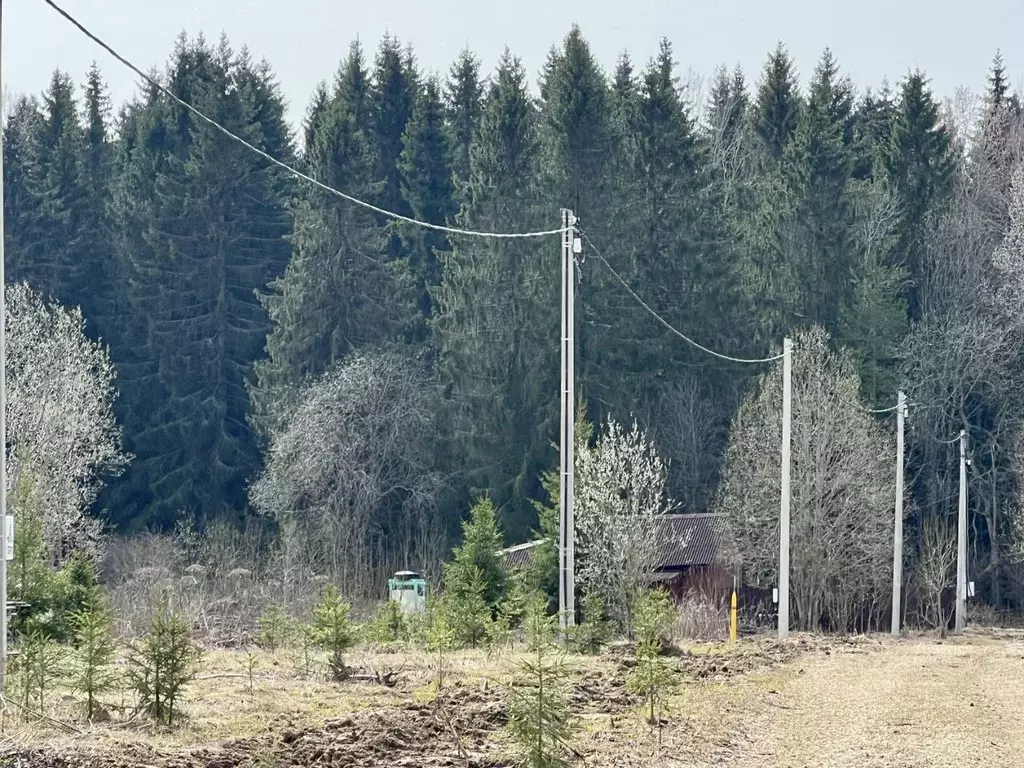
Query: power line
860	407
294	171
665	323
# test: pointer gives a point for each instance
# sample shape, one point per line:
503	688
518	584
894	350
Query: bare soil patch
809	702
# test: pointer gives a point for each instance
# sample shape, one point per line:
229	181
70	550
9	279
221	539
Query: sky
304	40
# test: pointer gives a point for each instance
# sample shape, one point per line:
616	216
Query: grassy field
810	701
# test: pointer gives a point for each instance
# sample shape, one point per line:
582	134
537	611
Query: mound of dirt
453	731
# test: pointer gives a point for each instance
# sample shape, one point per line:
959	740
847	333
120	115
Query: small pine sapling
652	678
389	625
333	630
306	650
162	663
595	631
441	638
94	654
465	604
276	628
251	662
39	664
541	722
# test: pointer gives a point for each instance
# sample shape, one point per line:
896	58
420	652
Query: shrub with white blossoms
619	494
60	415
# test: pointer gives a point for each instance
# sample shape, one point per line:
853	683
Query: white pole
3	410
570	425
566	602
961	540
787	419
897	539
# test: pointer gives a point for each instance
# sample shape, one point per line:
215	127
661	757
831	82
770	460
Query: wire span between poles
665	323
284	166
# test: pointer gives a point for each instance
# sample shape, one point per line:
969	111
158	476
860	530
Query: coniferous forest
272	340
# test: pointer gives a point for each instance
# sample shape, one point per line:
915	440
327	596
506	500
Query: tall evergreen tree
312	121
464	92
998	84
215	236
53	217
575	128
428	187
392	95
822	163
336	295
920	163
503	371
872	125
20	205
104	285
778	102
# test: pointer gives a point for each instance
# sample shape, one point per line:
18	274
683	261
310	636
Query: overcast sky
952	40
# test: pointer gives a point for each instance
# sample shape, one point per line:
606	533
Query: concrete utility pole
567	519
961	540
897	539
787	424
3	407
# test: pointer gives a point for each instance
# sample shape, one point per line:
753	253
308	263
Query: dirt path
918	703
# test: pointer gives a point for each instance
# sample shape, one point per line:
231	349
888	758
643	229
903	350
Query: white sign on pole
10	537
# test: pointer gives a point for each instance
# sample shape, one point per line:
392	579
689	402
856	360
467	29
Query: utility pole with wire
3	408
897	539
567	520
961	540
787	425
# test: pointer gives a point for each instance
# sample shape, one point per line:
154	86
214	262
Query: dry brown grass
826	703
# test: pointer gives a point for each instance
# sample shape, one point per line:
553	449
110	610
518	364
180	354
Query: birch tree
842	489
620	493
60	396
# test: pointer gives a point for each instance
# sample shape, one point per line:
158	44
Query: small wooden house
695	556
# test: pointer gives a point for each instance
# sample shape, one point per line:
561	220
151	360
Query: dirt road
916	703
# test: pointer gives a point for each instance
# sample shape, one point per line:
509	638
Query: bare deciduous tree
620	492
936	562
60	390
351	476
842	490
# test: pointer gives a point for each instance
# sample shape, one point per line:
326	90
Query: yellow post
733	624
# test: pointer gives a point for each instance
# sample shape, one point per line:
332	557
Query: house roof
520	554
684	540
691	540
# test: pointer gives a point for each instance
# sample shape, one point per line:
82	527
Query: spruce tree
502	372
427	185
481	542
464	94
540	710
822	164
920	165
103	287
336	295
872	124
575	128
53	222
216	230
392	96
778	103
311	123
